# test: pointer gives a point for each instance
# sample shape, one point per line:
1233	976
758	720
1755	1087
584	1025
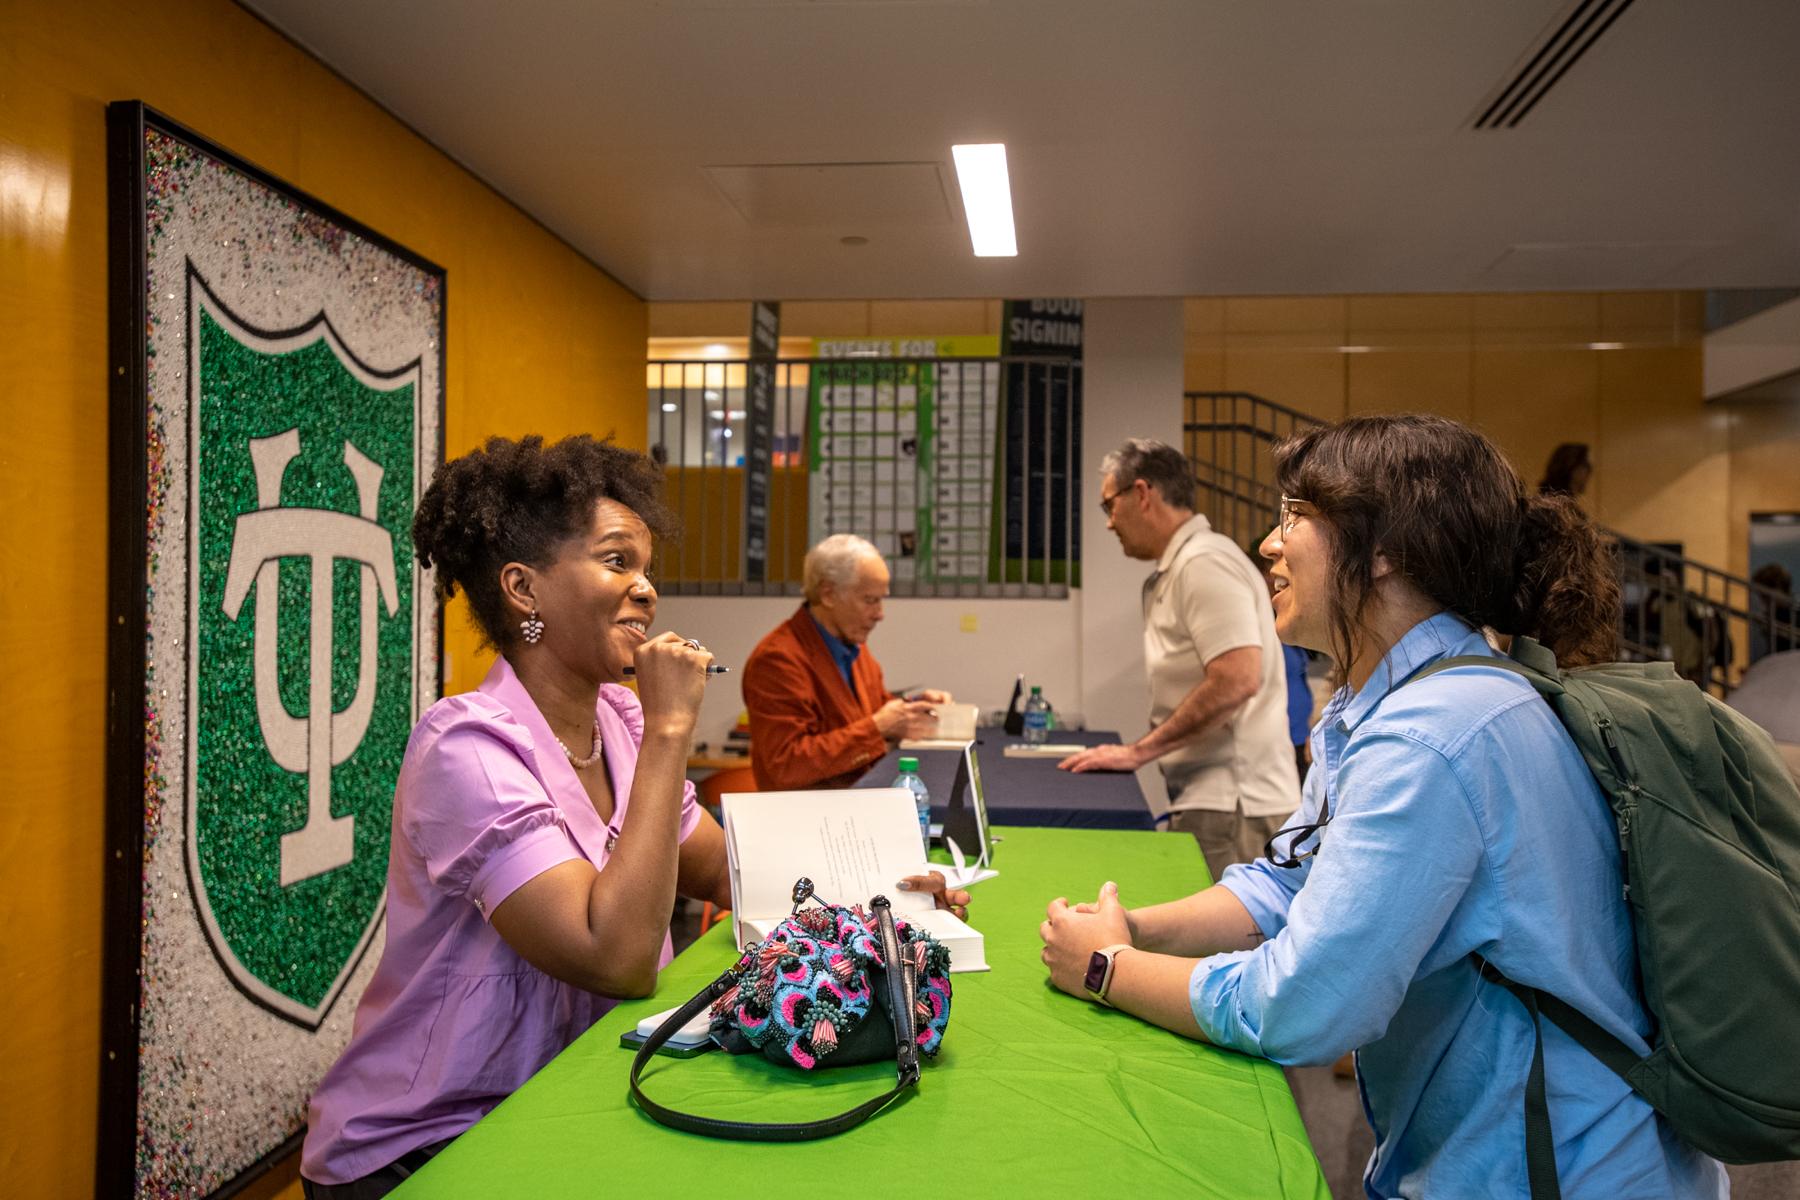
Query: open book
854	844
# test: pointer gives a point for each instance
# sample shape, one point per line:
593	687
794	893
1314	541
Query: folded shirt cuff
1253	893
1213	996
519	862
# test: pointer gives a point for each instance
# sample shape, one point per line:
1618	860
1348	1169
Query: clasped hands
1072	933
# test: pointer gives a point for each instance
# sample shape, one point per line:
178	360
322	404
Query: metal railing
1709	623
964	472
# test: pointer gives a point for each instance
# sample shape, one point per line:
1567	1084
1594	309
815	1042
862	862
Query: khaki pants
1225	837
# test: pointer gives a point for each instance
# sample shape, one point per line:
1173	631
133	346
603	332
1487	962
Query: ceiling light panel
987	198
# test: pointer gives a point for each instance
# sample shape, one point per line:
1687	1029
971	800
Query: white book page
853	844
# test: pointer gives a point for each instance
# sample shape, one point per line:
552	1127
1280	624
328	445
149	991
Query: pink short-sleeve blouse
454	1020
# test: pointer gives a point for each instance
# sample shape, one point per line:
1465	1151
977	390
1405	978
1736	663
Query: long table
1029	791
1034	1094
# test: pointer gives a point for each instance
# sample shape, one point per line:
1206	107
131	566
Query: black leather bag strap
906	1054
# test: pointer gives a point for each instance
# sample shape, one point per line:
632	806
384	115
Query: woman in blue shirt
1443	820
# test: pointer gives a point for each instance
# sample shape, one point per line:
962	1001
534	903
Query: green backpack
1709	847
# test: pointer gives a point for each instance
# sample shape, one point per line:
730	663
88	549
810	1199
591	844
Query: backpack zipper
1626	808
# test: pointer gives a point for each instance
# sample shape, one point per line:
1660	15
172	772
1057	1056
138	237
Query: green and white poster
901	448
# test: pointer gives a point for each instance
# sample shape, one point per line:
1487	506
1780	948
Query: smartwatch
1100	972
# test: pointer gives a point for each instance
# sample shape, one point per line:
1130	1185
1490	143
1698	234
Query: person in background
820	712
1449	818
1295	660
542	825
1218	691
1568	471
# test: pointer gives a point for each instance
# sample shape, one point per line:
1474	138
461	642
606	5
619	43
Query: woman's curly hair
519	501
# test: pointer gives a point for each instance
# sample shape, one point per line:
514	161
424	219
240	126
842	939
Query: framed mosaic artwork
277	376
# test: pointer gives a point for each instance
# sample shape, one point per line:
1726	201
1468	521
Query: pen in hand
711	669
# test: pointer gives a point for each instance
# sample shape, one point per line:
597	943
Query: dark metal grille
910	453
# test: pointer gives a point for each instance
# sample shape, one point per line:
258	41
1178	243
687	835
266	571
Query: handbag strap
906	1057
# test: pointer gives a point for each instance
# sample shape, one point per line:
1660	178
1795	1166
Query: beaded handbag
818	992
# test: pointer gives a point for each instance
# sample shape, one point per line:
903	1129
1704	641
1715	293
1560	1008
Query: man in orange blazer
819	710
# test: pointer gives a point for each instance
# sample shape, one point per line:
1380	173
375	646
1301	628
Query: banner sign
278	381
759	435
1041	442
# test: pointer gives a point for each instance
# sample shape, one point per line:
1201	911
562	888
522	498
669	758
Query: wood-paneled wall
1618	370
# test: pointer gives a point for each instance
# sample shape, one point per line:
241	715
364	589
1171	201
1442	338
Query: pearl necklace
582	764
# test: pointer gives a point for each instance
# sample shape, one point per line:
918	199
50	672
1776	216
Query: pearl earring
532	627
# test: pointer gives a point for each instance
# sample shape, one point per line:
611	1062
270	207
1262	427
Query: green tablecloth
1034	1091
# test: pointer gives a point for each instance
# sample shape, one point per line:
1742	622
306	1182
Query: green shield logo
304	637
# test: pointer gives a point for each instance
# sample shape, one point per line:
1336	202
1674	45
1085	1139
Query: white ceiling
1157	147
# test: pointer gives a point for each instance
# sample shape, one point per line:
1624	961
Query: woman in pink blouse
543	825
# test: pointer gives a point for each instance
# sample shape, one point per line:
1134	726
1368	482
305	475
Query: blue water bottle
909	779
1037	718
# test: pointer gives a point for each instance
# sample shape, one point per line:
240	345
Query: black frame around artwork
127	617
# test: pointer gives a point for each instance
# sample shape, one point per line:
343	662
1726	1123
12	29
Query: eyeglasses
1106	502
1290	512
1314	830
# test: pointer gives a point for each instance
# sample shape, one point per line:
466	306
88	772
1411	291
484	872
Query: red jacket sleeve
798	738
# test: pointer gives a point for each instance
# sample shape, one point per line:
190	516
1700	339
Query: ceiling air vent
1570	39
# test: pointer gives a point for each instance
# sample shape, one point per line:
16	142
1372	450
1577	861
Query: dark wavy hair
1559	471
519	501
1453	518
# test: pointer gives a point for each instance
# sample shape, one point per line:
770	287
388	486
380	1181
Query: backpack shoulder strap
1529	660
1540	1142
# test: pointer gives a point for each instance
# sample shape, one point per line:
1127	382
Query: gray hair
834	561
1158	464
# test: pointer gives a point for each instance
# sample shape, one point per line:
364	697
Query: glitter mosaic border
328	357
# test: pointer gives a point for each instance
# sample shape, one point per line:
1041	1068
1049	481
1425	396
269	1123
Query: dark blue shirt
842	653
1300	701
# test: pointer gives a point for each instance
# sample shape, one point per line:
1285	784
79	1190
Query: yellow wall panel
1450	315
1530	400
1385	380
539	341
702	319
1661	462
825	318
1540	318
1309	380
1203	371
1322	315
1644	318
891	318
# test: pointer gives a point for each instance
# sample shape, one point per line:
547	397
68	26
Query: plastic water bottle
909	779
1037	718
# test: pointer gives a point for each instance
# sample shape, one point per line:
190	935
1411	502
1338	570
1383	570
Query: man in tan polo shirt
1218	693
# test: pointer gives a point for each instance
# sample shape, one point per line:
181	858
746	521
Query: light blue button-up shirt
1463	821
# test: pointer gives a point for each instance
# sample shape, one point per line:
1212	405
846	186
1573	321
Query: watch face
1096	972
